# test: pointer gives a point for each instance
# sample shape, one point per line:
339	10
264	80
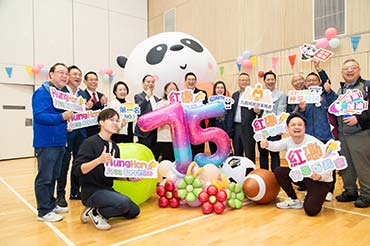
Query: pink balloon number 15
186	130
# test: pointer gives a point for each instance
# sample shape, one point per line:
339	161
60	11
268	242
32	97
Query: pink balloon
36	70
330	33
109	71
239	60
247	64
322	43
40	66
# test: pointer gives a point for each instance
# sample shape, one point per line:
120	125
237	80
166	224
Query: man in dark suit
191	83
147	102
242	131
95	99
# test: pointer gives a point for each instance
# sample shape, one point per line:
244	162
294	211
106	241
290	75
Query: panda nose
176	47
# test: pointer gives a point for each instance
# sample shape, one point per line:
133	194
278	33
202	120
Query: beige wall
265	27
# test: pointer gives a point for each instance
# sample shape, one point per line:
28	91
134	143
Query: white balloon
169	56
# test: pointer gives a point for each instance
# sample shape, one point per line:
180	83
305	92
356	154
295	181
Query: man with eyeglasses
49	141
354	134
242	132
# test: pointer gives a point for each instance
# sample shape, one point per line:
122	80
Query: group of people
91	146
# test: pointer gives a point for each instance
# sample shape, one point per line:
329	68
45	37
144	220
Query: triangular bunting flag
9	71
239	66
292	60
111	77
274	61
222	70
29	70
355	40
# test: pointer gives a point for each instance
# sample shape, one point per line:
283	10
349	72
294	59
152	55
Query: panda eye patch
194	45
156	54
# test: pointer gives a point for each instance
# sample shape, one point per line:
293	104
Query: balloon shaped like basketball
261	186
142	190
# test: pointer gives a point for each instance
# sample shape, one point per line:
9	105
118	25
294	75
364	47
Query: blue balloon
247	54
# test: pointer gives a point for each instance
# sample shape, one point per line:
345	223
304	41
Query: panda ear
121	61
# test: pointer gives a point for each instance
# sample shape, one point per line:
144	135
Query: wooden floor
338	223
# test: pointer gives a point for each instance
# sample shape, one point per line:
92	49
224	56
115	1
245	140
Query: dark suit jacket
91	130
145	107
247	116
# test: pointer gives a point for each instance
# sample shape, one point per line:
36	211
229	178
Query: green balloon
142	190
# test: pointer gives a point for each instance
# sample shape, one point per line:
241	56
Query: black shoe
347	197
362	202
61	201
75	197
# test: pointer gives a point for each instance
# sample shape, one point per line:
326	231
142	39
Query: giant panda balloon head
168	56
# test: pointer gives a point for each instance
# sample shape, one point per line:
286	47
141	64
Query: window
328	13
170	21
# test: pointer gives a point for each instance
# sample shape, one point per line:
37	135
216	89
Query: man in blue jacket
49	141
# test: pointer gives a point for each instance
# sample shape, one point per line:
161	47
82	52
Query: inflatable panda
168	56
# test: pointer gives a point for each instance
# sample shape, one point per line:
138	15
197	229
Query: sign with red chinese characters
186	96
314	157
270	125
310	51
311	95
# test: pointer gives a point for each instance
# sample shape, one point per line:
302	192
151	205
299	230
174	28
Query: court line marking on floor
340	209
169	227
34	210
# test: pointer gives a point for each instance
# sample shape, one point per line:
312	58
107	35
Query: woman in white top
164	137
318	185
125	133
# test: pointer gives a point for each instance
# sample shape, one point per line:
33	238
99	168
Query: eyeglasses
114	120
349	68
62	73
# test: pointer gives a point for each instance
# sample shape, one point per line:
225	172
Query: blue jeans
113	204
49	162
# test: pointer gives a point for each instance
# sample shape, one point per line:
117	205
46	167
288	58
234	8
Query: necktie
94	98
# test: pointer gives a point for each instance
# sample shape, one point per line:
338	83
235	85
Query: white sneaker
85	215
60	210
290	203
99	221
329	197
50	217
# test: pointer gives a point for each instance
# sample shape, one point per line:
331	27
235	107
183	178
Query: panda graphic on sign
167	56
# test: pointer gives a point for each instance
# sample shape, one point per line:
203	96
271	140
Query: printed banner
350	103
256	97
129	111
269	126
315	157
227	101
186	96
81	120
312	95
66	101
131	168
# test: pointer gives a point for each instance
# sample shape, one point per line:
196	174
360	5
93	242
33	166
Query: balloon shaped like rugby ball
236	168
261	186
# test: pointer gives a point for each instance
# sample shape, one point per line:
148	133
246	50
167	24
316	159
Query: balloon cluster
244	60
330	39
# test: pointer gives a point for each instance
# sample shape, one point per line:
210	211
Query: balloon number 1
185	129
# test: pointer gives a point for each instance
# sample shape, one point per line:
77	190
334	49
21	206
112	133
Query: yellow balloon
142	190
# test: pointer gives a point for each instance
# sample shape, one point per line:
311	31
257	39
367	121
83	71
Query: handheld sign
81	120
315	157
312	95
186	96
257	97
131	168
310	51
350	103
67	101
269	126
227	101
129	111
